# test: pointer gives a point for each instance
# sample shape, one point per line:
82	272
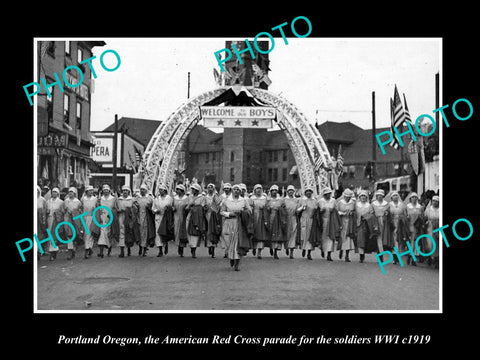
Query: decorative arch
308	148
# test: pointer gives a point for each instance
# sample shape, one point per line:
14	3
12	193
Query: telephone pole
114	155
374	150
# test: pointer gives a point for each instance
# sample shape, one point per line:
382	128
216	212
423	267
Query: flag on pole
398	116
407	113
340	160
416	150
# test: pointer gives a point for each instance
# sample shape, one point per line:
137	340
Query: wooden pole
114	155
374	150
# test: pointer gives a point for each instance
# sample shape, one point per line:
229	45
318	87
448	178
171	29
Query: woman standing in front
146	223
414	217
214	221
364	211
196	225
125	237
234	232
160	204
260	234
55	214
327	205
432	219
89	203
291	205
307	206
381	210
180	201
110	236
346	210
398	215
41	217
275	206
73	208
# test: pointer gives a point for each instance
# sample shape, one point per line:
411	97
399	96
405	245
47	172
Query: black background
39	332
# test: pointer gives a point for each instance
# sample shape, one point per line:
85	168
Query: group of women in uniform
238	222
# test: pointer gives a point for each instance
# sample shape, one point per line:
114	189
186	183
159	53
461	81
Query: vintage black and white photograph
271	174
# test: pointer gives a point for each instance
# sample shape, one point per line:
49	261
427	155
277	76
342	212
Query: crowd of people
238	222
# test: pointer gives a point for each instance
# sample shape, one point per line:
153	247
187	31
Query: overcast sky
334	76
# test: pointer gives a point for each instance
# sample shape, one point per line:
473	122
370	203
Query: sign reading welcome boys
257	117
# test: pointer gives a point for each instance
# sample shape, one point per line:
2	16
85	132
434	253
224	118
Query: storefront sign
102	152
52	140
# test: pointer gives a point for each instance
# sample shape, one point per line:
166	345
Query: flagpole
114	155
374	152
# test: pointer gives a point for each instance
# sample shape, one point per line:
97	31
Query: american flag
407	113
339	160
398	116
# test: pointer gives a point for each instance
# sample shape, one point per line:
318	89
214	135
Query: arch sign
309	150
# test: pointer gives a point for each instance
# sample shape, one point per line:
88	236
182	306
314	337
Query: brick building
64	139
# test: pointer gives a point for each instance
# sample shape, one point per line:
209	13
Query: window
285	155
249	156
232	174
67	48
214	156
275	156
270	178
275	174
79	55
66	107
232	156
79	115
270	156
207	156
284	174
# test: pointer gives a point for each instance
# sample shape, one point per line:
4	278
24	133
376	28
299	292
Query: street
174	283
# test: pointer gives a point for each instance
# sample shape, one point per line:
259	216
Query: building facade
64	138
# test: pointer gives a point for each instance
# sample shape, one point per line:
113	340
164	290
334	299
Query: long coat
167	225
367	233
197	224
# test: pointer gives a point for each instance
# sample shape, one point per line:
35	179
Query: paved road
174	283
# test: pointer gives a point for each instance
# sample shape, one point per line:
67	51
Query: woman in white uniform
307	206
326	204
291	205
257	203
180	201
195	199
346	208
124	202
231	210
55	214
89	203
160	204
